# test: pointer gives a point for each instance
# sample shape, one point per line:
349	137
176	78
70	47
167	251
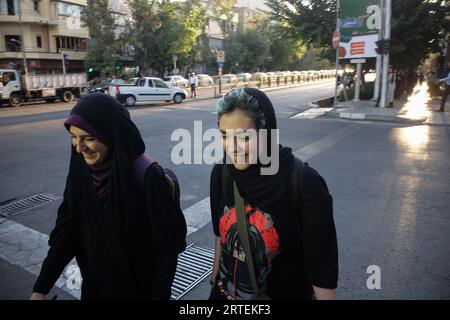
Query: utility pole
22	40
386	37
376	89
337	55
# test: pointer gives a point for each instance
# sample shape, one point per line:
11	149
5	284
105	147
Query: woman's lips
88	155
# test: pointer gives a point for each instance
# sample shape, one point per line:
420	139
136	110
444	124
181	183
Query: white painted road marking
311	113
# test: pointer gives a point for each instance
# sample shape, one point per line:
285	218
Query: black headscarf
121	219
264	190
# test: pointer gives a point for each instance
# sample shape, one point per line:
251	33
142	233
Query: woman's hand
37	296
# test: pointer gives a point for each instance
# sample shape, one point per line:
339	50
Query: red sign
357	47
335	39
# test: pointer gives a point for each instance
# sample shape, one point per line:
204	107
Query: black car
103	86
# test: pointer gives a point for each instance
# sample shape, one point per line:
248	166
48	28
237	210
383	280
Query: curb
371	117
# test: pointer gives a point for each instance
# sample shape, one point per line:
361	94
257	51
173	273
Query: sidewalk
419	108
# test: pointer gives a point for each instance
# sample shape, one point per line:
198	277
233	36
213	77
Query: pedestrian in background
391	87
289	214
446	91
118	217
433	84
193	81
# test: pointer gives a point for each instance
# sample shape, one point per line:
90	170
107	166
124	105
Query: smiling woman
93	151
125	233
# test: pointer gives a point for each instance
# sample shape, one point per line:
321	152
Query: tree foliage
417	26
104	48
163	29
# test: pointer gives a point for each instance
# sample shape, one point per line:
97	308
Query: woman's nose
80	146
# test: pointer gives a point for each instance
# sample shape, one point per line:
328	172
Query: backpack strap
295	185
242	226
140	165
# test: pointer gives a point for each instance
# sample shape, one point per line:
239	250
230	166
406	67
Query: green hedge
365	93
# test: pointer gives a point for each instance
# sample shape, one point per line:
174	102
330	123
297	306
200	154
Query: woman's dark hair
240	99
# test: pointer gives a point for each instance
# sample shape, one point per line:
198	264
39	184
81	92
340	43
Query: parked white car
229	78
259	76
204	80
176	81
244	76
147	89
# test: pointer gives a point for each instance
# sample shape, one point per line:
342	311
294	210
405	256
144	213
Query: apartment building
49	28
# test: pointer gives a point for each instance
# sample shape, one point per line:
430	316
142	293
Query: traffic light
383	46
90	69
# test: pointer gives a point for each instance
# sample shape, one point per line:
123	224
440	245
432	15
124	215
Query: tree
311	21
104	48
416	26
163	29
245	51
285	51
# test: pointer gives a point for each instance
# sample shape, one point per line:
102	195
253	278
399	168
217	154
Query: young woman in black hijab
293	247
124	230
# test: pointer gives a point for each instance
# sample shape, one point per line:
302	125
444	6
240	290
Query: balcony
46	16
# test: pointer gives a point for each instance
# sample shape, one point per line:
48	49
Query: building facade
50	29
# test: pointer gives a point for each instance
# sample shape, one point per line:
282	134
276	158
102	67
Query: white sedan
176	81
147	89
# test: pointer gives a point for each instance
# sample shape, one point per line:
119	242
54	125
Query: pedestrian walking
391	87
118	217
433	84
446	92
193	81
275	236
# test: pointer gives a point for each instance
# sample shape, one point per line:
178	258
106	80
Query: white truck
146	89
16	89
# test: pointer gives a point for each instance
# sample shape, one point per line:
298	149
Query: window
58	43
36	6
141	83
71	43
68	9
159	84
131	81
12	43
10	6
39	41
150	83
7	77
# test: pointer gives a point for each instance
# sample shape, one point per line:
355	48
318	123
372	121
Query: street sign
175	71
358	61
359	26
335	39
221	56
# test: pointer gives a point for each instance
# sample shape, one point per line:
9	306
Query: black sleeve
168	228
318	231
215	194
61	252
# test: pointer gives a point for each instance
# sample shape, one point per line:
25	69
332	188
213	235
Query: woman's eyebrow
81	135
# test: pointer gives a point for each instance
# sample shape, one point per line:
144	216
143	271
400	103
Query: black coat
127	245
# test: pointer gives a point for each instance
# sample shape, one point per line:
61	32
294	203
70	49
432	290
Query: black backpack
141	165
